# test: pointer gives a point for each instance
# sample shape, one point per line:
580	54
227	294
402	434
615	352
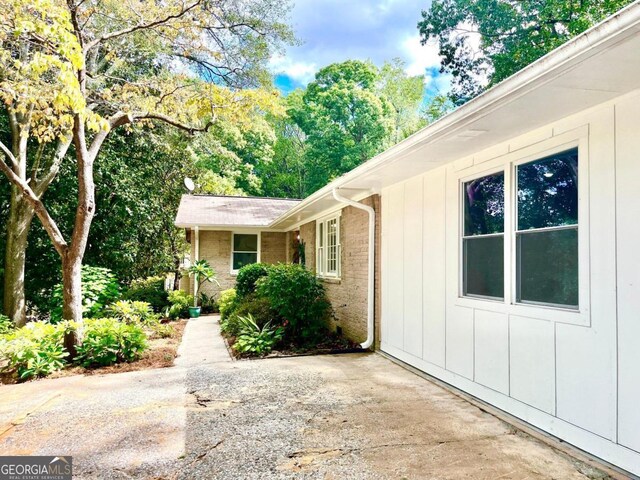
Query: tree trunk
20	217
72	300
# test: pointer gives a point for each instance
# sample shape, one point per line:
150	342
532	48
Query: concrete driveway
330	417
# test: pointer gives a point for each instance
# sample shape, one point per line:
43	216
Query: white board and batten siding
574	374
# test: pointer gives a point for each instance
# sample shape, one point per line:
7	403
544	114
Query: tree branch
115	121
142	26
48	223
41	185
173	122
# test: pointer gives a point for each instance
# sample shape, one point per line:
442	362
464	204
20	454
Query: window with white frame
483	237
328	247
547	231
544	234
244	250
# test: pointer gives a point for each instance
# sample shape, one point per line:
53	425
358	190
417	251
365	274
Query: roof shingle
218	211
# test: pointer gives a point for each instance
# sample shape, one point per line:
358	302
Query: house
499	254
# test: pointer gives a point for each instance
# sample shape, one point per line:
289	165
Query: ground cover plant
277	308
127	332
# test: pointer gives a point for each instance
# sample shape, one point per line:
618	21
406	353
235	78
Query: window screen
547	231
483	239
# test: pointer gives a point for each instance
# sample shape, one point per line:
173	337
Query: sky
338	30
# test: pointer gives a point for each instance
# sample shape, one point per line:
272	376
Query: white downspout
371	276
196	257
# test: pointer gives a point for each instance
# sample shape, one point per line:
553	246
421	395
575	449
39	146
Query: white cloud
298	71
419	57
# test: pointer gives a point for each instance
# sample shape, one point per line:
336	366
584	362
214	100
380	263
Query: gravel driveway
326	417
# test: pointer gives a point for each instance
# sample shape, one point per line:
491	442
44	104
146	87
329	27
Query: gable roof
228	211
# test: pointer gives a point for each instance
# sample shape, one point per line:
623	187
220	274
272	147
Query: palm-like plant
202	272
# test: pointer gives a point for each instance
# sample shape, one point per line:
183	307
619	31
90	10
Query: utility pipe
196	257
371	276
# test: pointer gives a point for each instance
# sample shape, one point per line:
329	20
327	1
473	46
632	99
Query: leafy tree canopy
482	42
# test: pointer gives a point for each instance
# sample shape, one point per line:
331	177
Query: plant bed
161	345
328	344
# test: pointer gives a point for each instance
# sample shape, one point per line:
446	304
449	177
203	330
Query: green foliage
35	350
6	325
150	290
248	276
509	35
298	297
132	312
258	307
163	330
345	118
255	340
108	341
226	302
180	302
202	272
208	303
100	287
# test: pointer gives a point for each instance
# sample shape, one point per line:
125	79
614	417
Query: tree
482	42
73	72
345	119
405	94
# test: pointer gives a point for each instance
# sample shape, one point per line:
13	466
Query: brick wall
348	295
273	247
215	247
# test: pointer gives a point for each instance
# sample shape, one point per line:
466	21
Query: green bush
227	302
163	330
133	312
180	303
150	290
258	307
208	303
248	276
100	287
254	339
35	350
297	297
108	341
6	325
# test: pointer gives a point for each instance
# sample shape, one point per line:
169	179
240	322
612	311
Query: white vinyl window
544	268
244	250
547	231
328	247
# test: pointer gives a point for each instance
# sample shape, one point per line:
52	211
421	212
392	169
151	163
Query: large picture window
547	231
244	250
328	247
483	238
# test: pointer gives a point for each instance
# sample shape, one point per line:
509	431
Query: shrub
133	312
180	303
6	325
108	341
35	350
248	276
208	303
258	308
163	330
150	290
297	296
254	339
227	302
100	287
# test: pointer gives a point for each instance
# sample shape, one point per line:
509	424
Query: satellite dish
189	184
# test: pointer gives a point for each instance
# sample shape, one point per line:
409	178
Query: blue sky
337	30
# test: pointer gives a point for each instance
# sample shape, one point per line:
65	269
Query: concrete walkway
326	417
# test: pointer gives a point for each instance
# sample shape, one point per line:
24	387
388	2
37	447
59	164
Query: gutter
371	270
